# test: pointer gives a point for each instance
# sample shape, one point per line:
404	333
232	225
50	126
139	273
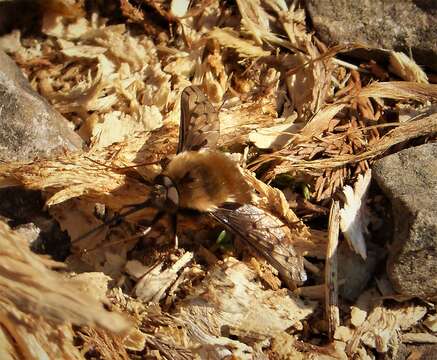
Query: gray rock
23	210
29	126
356	272
389	24
409	180
417	352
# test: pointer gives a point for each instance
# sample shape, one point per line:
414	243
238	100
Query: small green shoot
305	191
224	241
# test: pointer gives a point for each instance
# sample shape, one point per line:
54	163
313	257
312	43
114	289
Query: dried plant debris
406	68
38	304
331	272
230	300
245	47
153	283
26	280
354	216
379	330
302	123
32	337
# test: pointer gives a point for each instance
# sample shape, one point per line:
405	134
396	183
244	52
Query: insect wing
200	126
268	236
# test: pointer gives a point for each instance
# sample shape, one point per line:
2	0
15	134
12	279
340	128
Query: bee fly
203	179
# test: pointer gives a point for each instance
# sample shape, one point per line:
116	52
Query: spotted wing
200	126
267	236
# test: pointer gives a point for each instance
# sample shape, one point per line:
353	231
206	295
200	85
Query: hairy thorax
207	179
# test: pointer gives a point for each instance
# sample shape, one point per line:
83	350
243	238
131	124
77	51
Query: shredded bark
304	127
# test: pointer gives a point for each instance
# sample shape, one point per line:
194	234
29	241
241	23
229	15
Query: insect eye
164	181
168	182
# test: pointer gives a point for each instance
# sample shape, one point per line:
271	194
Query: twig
331	281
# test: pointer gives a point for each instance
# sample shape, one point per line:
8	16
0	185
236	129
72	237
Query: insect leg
174	227
116	219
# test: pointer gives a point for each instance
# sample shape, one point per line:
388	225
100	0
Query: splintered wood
230	297
331	272
304	127
38	304
26	280
354	219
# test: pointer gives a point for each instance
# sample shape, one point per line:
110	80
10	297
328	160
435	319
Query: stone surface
29	126
356	272
416	352
388	24
23	210
409	180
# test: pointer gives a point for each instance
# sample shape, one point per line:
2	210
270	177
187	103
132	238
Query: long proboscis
135	208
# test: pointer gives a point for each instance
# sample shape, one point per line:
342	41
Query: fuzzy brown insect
203	179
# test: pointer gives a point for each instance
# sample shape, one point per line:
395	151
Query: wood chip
421	338
331	271
28	283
